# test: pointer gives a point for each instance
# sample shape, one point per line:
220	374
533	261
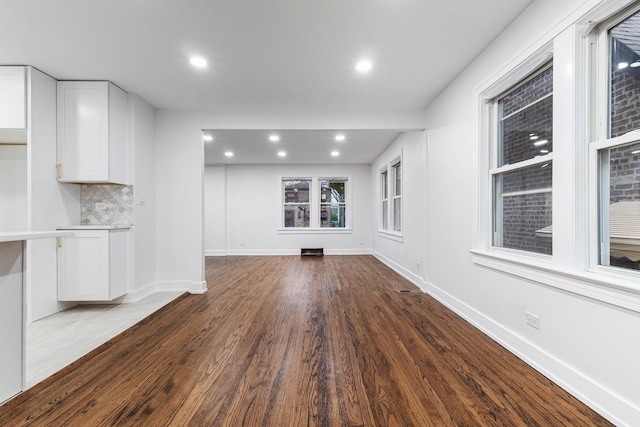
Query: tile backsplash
106	204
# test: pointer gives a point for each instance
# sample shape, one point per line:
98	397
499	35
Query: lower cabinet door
83	266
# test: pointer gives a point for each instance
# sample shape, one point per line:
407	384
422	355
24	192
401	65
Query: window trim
395	166
314	206
389	232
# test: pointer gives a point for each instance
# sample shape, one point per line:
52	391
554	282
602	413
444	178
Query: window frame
285	204
569	269
384	197
388	169
345	204
396	195
601	140
314	206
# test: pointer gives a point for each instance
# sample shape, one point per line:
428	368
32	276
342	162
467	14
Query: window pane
522	214
625	76
332	191
385	213
332	215
623	234
385	185
526	120
397	214
296	191
397	176
296	215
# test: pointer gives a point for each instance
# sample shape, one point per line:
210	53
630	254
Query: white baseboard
409	275
615	409
136	295
212	252
287	252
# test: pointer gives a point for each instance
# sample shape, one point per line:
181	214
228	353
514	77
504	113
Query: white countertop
95	227
13	236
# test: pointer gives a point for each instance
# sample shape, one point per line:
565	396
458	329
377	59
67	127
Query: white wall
215	209
180	172
141	158
254	210
13	187
587	346
407	256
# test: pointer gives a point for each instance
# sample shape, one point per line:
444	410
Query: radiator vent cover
312	252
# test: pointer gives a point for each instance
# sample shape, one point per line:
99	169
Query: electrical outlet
532	320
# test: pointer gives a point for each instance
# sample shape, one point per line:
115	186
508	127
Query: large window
333	202
297	212
618	152
391	199
522	165
397	196
384	196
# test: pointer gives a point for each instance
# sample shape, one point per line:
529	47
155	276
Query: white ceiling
262	54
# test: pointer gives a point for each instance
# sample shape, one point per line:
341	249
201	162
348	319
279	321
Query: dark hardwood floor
290	341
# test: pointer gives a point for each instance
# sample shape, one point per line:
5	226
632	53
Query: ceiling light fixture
541	142
228	153
274	138
335	153
282	153
364	66
198	62
340	137
207	138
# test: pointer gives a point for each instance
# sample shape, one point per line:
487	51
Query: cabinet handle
59	241
59	170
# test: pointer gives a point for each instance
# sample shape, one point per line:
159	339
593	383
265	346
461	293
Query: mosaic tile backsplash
106	204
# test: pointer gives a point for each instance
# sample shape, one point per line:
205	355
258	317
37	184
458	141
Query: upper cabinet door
92	135
13	112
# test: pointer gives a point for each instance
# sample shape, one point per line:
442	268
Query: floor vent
312	252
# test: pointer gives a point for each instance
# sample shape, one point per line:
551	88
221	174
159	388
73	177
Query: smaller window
397	196
333	203
297	208
384	191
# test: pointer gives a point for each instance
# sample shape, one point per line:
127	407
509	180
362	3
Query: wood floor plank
290	341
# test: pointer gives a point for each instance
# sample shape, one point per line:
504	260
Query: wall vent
312	252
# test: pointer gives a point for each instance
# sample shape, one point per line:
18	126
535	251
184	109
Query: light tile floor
58	340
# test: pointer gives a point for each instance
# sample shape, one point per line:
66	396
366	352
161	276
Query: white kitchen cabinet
92	133
92	265
13	96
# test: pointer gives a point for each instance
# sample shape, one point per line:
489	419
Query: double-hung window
521	165
396	168
615	154
333	202
391	199
384	196
297	206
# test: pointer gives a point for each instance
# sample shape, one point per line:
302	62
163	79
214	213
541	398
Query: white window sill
307	230
391	235
621	290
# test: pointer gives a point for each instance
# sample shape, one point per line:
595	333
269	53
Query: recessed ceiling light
228	153
541	142
198	62
274	138
340	137
622	65
335	153
282	153
364	66
208	138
